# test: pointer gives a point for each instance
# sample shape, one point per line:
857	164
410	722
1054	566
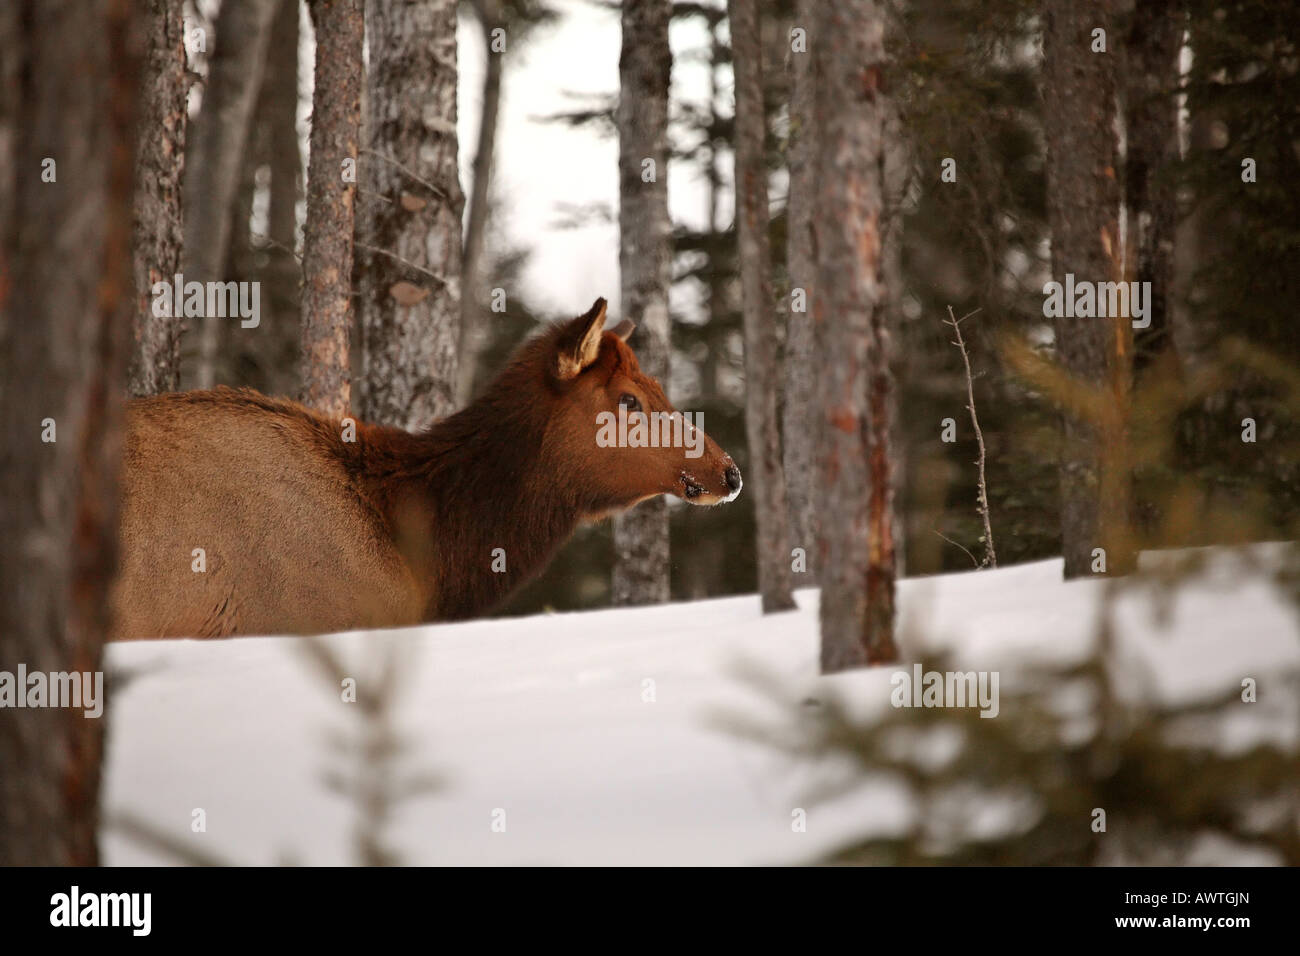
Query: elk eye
630	403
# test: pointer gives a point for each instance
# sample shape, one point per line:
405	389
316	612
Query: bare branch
406	262
436	190
148	835
974	560
982	502
270	243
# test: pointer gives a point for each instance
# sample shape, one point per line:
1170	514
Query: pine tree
1079	121
850	311
765	477
640	574
799	437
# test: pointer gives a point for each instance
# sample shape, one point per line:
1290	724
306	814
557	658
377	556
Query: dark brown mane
484	482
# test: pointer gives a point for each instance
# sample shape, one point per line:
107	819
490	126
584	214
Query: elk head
615	422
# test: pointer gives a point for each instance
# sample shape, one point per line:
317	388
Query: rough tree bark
215	156
66	306
850	312
411	257
762	428
472	298
1083	214
640	574
331	189
800	368
158	236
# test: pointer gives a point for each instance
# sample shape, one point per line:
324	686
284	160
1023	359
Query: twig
275	244
973	560
436	190
406	262
990	555
146	833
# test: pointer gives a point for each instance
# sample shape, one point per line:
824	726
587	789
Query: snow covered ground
597	733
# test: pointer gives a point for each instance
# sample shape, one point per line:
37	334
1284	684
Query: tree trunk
1152	156
897	165
1151	123
221	133
800	348
640	573
66	311
280	331
766	479
331	187
267	357
1083	214
411	263
472	334
159	239
718	272
850	312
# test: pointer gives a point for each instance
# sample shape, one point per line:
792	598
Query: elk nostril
732	477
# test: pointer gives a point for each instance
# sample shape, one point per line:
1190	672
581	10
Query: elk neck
476	505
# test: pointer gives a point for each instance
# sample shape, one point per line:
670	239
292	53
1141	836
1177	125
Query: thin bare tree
272	348
982	488
799	435
216	152
331	188
640	573
492	25
263	248
762	427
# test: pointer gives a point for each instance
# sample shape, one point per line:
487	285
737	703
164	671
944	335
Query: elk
244	514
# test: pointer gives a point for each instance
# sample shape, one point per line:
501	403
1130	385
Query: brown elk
244	514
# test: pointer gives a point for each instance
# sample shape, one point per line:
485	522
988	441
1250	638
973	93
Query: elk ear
579	343
624	329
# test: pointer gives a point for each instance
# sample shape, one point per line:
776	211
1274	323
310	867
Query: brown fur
305	533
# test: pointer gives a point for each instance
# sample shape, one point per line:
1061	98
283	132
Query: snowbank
594	732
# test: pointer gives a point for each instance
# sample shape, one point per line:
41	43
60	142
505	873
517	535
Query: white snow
546	719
